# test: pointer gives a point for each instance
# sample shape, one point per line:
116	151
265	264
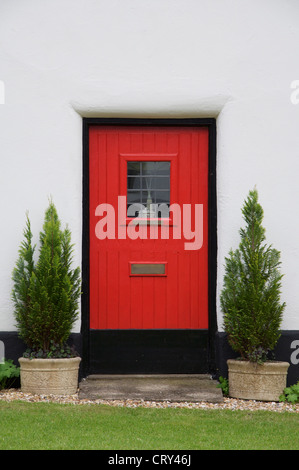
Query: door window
148	189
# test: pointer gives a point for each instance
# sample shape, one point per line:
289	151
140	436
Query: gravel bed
228	403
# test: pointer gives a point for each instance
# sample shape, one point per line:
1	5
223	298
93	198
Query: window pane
163	168
133	168
156	182
146	196
133	182
148	168
162	196
133	196
147	182
155	168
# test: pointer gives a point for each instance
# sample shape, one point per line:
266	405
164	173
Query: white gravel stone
228	403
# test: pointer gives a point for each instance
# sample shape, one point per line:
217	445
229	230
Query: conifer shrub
250	298
46	292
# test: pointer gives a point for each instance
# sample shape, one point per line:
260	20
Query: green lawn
45	426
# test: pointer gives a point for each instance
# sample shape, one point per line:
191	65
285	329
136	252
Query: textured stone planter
251	381
49	376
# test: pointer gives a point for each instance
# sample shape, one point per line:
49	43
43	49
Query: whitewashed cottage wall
62	60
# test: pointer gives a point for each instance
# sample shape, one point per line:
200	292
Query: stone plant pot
252	381
49	376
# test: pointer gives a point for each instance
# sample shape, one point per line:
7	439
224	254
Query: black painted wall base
191	354
149	351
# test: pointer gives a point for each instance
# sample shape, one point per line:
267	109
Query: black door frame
139	337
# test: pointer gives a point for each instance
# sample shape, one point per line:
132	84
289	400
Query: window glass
148	183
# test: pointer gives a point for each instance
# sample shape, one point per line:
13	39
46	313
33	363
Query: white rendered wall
231	59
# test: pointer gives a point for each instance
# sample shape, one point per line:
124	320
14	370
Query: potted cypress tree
253	311
45	296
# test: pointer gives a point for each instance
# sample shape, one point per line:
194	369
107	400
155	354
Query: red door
148	228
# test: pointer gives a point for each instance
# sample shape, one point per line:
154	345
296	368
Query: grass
43	426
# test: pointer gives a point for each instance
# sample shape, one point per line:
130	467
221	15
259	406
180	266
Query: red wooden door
148	264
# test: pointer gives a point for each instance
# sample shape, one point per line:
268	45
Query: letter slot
148	269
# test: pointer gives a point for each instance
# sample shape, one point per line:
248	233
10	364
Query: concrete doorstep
172	388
